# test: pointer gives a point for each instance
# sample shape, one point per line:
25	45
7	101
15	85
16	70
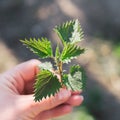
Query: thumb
26	102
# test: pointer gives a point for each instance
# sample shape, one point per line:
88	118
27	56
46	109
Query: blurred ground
101	22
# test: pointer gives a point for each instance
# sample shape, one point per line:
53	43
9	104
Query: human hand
16	96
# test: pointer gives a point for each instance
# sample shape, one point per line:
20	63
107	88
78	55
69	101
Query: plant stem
60	70
59	65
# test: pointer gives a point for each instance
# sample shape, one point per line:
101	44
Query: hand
16	96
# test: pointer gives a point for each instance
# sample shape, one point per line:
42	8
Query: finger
26	103
58	111
75	100
27	70
23	75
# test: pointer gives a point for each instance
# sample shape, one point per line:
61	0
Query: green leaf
47	84
70	51
46	66
76	80
41	47
76	68
70	32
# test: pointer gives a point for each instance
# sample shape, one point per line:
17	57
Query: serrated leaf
47	84
46	66
69	52
76	80
74	68
73	71
70	32
41	47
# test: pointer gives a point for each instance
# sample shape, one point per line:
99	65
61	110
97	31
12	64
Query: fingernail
63	94
82	98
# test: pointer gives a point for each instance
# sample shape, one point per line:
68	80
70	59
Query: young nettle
49	81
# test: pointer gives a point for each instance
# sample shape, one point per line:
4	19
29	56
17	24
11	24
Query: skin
17	101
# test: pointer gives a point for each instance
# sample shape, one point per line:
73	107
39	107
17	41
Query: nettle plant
51	77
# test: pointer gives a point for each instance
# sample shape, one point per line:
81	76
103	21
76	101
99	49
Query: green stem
59	65
60	70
